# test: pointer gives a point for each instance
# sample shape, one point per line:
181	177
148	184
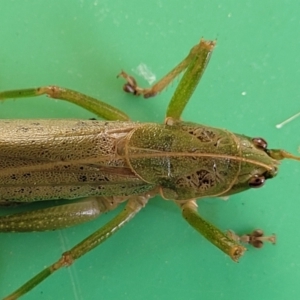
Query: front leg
194	64
210	232
227	242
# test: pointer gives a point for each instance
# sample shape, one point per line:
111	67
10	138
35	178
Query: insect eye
257	181
260	143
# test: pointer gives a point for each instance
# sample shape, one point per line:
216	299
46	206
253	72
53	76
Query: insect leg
194	64
210	232
132	207
60	216
93	105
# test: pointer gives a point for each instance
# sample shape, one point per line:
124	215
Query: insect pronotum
109	162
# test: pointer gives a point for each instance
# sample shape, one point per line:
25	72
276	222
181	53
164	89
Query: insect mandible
117	160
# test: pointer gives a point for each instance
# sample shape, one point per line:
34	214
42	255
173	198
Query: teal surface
251	84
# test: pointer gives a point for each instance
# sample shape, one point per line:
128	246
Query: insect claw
129	89
256	238
131	85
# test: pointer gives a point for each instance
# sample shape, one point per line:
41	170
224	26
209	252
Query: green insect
108	162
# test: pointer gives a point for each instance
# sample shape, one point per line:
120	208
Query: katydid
109	162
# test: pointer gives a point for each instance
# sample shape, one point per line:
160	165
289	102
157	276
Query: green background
251	84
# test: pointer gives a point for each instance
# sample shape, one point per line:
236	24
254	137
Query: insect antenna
280	154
